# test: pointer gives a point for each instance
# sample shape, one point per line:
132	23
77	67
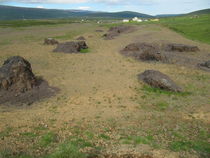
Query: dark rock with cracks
71	47
144	51
181	48
18	84
81	38
116	31
50	41
16	75
206	64
157	79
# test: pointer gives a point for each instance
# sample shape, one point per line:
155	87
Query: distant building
125	20
155	20
136	19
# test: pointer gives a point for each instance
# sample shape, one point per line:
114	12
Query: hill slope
16	13
204	11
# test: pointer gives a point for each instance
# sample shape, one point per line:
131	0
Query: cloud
84	8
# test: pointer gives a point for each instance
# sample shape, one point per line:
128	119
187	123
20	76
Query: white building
136	19
125	20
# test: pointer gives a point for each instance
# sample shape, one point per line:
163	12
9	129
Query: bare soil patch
99	30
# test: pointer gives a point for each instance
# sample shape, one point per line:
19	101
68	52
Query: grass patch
67	150
28	23
47	139
150	89
68	35
85	50
5	42
192	28
5	132
104	136
163	105
9	154
71	149
136	140
29	134
199	144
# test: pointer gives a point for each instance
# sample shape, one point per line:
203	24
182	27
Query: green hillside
17	13
195	28
204	11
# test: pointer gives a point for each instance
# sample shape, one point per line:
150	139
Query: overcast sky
152	7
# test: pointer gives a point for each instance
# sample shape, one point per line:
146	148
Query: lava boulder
116	31
71	47
144	51
181	48
157	79
81	38
50	41
16	75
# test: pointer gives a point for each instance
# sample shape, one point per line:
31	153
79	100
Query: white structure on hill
136	19
125	20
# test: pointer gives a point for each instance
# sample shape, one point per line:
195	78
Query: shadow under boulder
18	84
50	41
71	47
116	31
157	79
144	51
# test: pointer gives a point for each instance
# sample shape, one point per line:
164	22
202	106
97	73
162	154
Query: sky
152	7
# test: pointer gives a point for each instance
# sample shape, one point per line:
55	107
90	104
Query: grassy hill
17	13
204	11
194	28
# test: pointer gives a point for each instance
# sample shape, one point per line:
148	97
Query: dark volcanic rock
181	48
81	38
157	79
50	41
71	47
144	51
116	31
206	64
16	75
18	84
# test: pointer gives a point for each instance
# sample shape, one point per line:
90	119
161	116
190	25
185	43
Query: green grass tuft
67	150
85	50
163	105
150	89
47	139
